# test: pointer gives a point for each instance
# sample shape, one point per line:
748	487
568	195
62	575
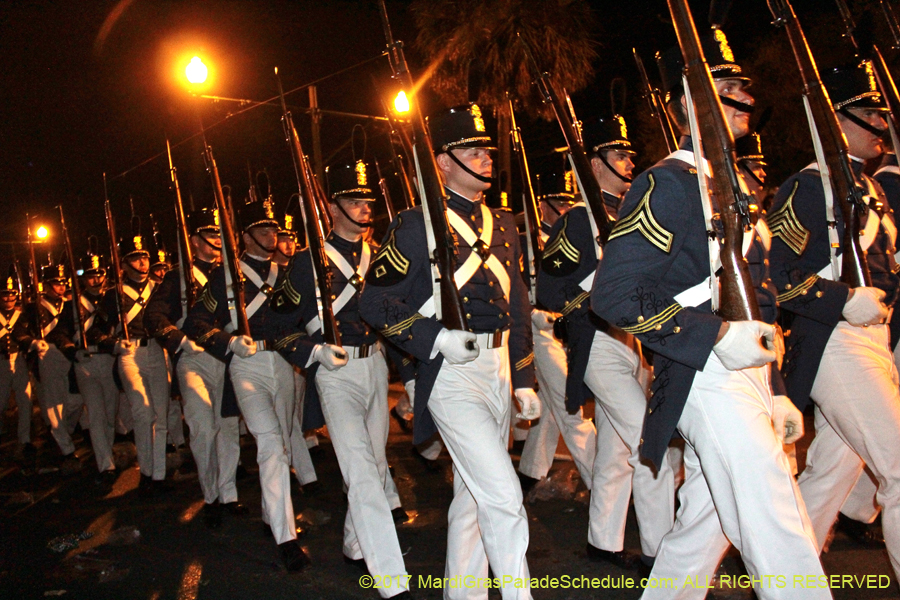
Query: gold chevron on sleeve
390	253
395	329
784	224
525	362
656	322
562	244
289	291
798	290
209	303
575	303
642	220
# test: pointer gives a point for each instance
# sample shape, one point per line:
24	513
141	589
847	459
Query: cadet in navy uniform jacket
711	377
838	350
465	392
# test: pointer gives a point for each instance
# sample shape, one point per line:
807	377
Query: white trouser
215	442
619	380
98	388
354	401
60	408
861	505
857	422
304	469
578	433
264	386
14	378
145	377
744	493
124	418
470	404
175	424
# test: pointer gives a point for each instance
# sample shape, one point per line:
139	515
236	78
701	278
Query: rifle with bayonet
581	165
534	246
115	261
312	206
441	245
386	192
854	269
76	283
234	289
737	298
657	107
185	253
35	281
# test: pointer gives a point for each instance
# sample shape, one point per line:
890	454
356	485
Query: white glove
411	392
242	346
542	320
865	307
452	343
125	348
740	347
82	356
189	346
788	421
331	357
530	403
41	347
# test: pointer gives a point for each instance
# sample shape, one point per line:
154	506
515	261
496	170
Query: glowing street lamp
196	72
42	233
401	102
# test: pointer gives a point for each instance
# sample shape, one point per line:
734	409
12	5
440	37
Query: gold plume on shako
138	242
477	118
361	177
724	48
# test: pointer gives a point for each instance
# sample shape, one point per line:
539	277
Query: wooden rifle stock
434	202
657	107
854	269
115	261
76	284
737	298
230	256
534	246
587	183
312	198
35	280
185	253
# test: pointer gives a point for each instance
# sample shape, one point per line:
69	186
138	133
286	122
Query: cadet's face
478	160
158	272
56	290
94	282
738	120
360	210
7	302
263	238
207	246
620	162
138	267
287	245
759	171
864	144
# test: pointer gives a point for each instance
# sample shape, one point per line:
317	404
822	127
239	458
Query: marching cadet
301	461
53	346
94	365
353	390
14	371
838	351
263	380
143	367
215	442
557	196
466	391
888	177
711	377
607	363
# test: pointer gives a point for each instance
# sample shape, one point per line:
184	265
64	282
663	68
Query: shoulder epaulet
642	220
389	266
784	224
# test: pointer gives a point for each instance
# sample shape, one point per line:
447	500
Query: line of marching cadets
714	417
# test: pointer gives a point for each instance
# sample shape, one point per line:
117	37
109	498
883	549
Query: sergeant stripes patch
209	303
525	362
784	224
642	220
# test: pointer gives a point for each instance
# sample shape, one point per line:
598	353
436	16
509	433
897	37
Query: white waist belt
487	341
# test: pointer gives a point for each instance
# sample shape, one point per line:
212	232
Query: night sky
85	92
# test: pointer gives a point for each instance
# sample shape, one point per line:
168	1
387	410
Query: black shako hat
54	273
749	147
350	180
257	214
718	55
853	86
459	127
203	219
608	133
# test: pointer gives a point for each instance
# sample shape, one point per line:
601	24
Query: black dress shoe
359	563
527	482
293	556
171	449
645	566
106	478
162	486
863	534
400	517
431	466
405	425
236	508
146	487
212	515
622	559
402	596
